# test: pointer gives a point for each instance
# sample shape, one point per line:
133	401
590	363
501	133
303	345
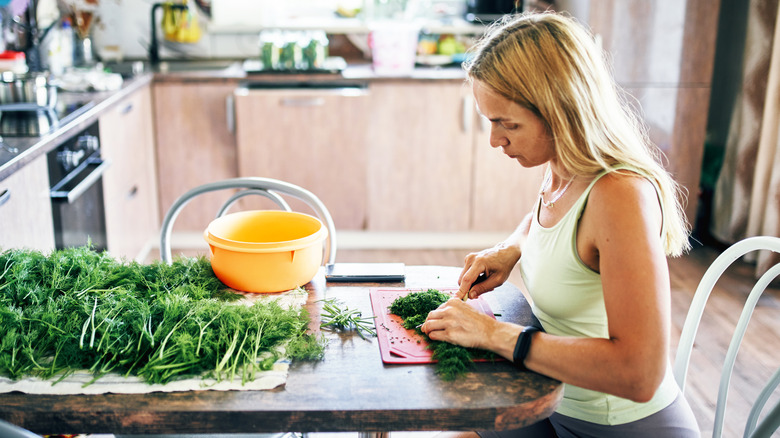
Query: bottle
12	61
66	43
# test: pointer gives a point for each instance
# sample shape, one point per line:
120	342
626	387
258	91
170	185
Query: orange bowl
265	250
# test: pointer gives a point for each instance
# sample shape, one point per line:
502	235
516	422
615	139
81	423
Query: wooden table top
350	389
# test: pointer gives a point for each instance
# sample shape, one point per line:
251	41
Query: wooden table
349	390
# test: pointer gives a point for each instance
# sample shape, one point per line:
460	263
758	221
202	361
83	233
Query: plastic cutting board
398	345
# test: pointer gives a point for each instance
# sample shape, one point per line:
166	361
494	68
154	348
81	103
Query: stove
36	121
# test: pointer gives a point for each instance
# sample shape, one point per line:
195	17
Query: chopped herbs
79	309
452	361
345	319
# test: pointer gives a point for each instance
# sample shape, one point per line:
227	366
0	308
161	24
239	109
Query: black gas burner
37	121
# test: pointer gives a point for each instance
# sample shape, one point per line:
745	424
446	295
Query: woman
592	253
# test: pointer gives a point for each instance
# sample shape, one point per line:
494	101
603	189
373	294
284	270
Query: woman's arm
619	236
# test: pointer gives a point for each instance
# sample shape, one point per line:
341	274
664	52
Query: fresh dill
452	361
343	318
80	309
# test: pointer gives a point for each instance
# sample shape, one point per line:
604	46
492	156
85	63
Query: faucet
154	47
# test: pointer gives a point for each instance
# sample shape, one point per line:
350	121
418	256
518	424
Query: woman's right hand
495	263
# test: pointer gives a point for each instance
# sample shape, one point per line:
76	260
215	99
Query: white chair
771	419
270	188
8	430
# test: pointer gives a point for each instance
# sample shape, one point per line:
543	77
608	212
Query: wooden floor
759	355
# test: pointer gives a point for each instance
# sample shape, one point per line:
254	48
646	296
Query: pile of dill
452	361
77	309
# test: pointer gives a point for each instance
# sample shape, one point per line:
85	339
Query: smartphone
365	272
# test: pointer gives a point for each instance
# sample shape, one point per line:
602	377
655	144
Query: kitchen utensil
399	345
26	91
265	250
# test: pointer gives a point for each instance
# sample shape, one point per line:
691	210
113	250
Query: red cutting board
397	344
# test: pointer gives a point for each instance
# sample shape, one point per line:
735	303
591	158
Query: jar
12	61
315	51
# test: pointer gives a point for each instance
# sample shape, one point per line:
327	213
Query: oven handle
71	195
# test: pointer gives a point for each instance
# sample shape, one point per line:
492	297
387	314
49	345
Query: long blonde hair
549	64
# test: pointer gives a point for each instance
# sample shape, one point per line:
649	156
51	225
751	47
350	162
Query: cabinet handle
302	101
465	120
127	108
5	196
132	192
230	113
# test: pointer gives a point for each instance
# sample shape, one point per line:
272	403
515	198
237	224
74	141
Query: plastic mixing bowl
265	250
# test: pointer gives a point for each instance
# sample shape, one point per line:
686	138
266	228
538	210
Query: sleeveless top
568	300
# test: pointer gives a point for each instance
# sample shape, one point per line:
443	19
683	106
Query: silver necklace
551	202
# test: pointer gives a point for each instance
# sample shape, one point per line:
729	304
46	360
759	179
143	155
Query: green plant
79	309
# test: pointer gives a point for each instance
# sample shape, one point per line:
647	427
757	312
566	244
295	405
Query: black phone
365	272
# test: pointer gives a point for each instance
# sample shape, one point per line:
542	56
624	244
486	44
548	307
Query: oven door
77	206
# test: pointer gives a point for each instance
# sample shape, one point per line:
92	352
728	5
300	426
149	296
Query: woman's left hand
458	323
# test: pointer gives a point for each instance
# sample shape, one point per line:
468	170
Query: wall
126	23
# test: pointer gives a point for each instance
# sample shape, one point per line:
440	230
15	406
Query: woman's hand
458	323
495	263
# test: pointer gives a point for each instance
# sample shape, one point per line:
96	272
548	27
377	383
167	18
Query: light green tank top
569	301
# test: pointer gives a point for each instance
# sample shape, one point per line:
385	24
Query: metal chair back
771	420
267	187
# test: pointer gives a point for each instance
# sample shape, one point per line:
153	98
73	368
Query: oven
75	176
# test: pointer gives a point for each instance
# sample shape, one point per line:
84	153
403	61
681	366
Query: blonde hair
549	64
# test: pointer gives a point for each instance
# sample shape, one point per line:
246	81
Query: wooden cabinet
315	138
420	157
195	145
663	54
25	208
431	167
130	183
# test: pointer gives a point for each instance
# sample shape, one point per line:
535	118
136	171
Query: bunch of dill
78	309
452	361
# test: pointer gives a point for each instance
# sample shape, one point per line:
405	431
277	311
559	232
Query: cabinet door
504	190
195	145
420	156
130	184
313	138
25	209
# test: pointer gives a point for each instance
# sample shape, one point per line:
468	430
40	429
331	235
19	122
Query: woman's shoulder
623	191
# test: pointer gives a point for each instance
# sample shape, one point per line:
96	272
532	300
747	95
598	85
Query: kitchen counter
16	152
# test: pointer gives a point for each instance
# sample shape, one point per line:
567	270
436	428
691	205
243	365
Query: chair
267	187
771	420
8	430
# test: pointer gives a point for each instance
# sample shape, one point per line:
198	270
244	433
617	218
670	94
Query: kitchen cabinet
25	208
663	54
130	183
420	157
195	145
313	137
431	167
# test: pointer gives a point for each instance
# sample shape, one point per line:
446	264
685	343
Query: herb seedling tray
398	345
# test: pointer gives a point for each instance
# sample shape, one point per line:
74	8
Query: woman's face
518	131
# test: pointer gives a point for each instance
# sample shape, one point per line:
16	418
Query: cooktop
35	121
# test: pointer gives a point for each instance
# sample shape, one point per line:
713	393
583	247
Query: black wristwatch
523	345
